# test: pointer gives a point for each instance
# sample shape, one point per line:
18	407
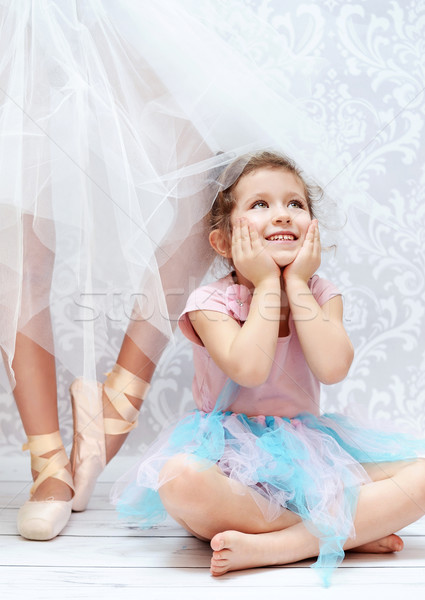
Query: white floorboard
97	556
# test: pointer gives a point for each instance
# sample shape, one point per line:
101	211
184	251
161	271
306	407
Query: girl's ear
219	242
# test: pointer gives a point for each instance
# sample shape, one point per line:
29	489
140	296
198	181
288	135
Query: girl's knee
184	481
184	495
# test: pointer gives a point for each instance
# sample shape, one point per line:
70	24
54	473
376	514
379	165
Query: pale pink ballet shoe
88	456
44	520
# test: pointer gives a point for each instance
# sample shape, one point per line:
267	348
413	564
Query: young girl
256	469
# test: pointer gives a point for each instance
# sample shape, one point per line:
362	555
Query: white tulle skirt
112	115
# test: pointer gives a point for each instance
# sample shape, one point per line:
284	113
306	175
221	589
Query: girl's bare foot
390	543
233	550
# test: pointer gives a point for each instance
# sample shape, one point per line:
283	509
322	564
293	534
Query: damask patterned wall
370	95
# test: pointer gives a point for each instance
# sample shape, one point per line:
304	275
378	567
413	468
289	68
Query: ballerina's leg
47	511
33	365
35	397
143	344
134	360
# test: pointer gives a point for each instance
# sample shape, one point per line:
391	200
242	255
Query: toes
218	543
396	543
219	566
392	543
218	559
217	570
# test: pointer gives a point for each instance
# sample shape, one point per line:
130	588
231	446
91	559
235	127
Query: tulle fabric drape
111	117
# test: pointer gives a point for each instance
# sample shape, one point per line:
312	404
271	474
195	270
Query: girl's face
273	200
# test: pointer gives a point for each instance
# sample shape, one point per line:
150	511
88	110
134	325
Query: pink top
291	387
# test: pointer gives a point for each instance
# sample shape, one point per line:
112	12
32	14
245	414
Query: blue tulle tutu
310	465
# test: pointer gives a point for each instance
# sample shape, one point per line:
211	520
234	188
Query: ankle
109	410
67	466
122	396
50	467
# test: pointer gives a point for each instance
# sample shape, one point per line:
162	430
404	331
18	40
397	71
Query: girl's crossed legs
209	506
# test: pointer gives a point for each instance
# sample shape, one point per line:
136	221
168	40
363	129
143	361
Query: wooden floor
98	557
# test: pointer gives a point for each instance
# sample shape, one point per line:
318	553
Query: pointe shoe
88	456
44	520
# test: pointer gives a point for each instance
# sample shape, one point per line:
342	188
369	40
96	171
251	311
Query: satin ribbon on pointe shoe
44	520
89	450
119	384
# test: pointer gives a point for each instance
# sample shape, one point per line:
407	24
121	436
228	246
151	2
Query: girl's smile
274	202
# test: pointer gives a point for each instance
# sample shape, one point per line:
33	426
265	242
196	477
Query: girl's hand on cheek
308	258
249	255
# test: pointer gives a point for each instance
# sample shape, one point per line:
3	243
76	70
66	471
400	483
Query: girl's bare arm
324	341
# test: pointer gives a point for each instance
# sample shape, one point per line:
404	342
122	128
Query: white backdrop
369	94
